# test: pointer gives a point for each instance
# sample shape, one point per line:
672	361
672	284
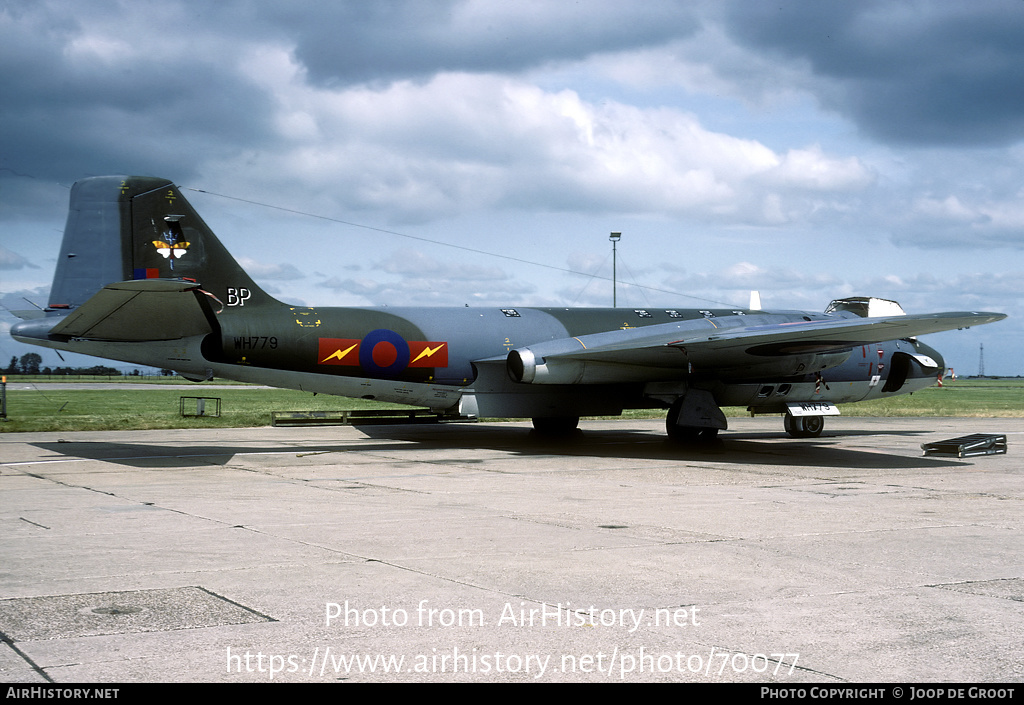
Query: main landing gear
804	426
694	418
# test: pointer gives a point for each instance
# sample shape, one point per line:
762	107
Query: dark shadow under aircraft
141	278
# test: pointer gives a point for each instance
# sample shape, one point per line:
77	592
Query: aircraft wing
725	343
147	309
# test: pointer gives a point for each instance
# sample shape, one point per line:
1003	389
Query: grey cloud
363	287
423	280
414	264
907	72
951	235
985	286
356	41
12	260
89	94
281	271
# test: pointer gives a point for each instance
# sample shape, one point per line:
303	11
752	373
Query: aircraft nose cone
933	354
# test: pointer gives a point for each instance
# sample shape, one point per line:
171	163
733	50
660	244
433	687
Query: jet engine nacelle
528	367
525	366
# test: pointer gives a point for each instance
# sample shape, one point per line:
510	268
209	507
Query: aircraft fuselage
433	357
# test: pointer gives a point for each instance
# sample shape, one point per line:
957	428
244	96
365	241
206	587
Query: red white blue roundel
383	352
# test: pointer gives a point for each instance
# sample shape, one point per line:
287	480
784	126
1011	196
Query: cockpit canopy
866	307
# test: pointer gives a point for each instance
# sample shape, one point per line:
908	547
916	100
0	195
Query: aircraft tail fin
125	228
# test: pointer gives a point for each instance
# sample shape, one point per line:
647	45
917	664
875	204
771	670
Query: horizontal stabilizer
134	311
30	314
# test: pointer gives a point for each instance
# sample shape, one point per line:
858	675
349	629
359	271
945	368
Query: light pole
614	237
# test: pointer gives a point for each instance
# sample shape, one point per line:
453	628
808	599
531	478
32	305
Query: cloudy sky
452	152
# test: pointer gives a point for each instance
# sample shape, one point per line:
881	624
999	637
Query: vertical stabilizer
96	249
122	228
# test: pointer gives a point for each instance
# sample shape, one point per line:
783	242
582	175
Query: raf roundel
383	352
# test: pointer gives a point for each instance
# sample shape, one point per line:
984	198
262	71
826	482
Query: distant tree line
30	364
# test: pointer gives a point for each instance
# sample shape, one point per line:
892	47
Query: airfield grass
43	409
137	409
981	398
111	379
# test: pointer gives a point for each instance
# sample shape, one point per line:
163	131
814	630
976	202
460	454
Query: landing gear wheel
813	426
555	425
804	426
686	435
691	435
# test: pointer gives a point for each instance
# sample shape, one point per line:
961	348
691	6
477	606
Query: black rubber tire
804	426
686	435
555	425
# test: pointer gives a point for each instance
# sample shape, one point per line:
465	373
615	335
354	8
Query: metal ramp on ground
967	446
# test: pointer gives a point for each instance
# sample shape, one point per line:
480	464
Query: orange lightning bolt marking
339	354
427	352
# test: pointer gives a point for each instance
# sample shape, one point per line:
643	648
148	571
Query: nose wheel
804	426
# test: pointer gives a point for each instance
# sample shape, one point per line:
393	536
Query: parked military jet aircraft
141	278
